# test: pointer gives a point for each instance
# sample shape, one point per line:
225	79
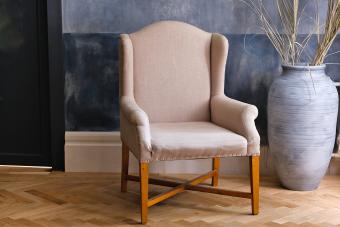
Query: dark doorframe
56	82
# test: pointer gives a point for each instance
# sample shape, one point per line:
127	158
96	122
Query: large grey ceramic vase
302	116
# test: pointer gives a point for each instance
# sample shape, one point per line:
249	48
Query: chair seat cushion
194	140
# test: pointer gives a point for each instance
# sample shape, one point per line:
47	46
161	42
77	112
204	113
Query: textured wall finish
91	82
118	16
91	30
129	15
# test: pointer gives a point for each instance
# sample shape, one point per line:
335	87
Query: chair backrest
171	71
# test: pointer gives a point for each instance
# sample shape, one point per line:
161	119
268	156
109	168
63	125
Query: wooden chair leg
144	191
125	167
254	164
216	166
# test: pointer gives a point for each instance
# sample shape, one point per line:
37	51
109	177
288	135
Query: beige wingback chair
173	107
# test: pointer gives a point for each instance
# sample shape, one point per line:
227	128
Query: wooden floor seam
94	199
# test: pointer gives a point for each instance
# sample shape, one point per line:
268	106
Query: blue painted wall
91	82
91	30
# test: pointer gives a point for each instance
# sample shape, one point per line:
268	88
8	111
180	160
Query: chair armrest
135	128
236	116
133	112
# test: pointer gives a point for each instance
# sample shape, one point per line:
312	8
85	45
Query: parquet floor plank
89	199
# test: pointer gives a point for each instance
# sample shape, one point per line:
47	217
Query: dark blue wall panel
91	82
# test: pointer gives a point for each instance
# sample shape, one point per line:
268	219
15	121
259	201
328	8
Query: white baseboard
101	152
92	151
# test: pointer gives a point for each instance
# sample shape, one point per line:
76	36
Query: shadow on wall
92	72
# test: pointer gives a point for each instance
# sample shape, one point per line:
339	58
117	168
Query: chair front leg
144	191
125	167
216	167
254	166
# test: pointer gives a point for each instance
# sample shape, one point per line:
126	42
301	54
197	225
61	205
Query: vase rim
303	67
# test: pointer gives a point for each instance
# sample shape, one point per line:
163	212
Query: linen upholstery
238	117
172	62
172	96
135	128
226	112
193	140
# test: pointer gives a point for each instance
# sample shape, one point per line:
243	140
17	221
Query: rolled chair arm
238	117
135	129
133	112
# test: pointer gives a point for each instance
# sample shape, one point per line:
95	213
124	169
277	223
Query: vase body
302	117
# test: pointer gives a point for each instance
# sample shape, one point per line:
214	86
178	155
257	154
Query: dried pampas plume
285	41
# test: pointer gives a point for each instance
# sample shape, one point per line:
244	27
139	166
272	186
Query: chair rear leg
144	191
125	167
216	166
254	164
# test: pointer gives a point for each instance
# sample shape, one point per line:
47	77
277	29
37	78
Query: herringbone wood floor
81	199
